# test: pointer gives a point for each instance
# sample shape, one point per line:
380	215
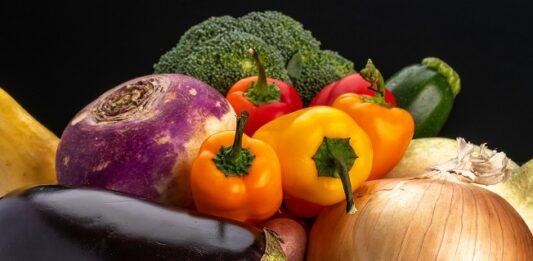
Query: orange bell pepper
240	181
390	128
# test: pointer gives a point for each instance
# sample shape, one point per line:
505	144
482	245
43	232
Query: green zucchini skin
426	94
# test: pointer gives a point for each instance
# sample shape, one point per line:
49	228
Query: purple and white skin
142	136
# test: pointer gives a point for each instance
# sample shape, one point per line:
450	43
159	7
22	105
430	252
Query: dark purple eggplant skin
58	223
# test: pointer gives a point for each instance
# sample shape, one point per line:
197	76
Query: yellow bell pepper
318	149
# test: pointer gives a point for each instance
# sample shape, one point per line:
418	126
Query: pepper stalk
372	75
334	158
261	92
235	161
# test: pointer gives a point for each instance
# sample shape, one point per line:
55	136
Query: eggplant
53	222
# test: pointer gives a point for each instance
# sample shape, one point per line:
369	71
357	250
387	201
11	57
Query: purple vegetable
142	136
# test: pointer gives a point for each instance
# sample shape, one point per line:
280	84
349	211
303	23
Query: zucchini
427	91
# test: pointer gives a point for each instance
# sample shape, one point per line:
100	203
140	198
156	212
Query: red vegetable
353	83
302	208
293	236
264	98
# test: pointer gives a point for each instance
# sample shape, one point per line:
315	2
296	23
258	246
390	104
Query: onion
437	215
427	152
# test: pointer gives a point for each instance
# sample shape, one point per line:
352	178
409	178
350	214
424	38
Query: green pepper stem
261	92
346	185
372	75
333	158
236	148
235	161
261	87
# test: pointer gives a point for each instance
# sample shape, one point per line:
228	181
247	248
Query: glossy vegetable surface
58	223
427	91
323	154
236	177
263	98
390	128
353	83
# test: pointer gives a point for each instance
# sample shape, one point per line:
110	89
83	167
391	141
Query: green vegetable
280	31
192	38
427	91
318	70
289	49
224	60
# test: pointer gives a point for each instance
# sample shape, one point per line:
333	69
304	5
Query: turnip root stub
142	136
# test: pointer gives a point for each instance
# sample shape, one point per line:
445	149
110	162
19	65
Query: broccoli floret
342	65
195	36
318	70
215	51
225	59
280	31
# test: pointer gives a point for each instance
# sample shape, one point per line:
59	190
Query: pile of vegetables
141	137
214	52
437	215
251	143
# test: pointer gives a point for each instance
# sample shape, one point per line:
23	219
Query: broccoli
215	51
224	60
318	70
280	31
195	36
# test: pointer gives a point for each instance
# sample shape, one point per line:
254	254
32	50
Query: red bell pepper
353	83
264	98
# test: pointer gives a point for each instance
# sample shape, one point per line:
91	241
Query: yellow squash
27	148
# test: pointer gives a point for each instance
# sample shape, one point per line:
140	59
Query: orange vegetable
240	181
390	129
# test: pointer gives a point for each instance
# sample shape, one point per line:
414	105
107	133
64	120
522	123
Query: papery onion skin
141	137
421	219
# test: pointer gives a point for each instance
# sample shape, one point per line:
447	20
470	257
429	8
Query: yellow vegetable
424	153
27	148
439	215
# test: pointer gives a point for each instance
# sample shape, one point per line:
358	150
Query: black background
56	58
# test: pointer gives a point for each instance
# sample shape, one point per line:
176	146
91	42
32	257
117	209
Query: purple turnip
142	136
